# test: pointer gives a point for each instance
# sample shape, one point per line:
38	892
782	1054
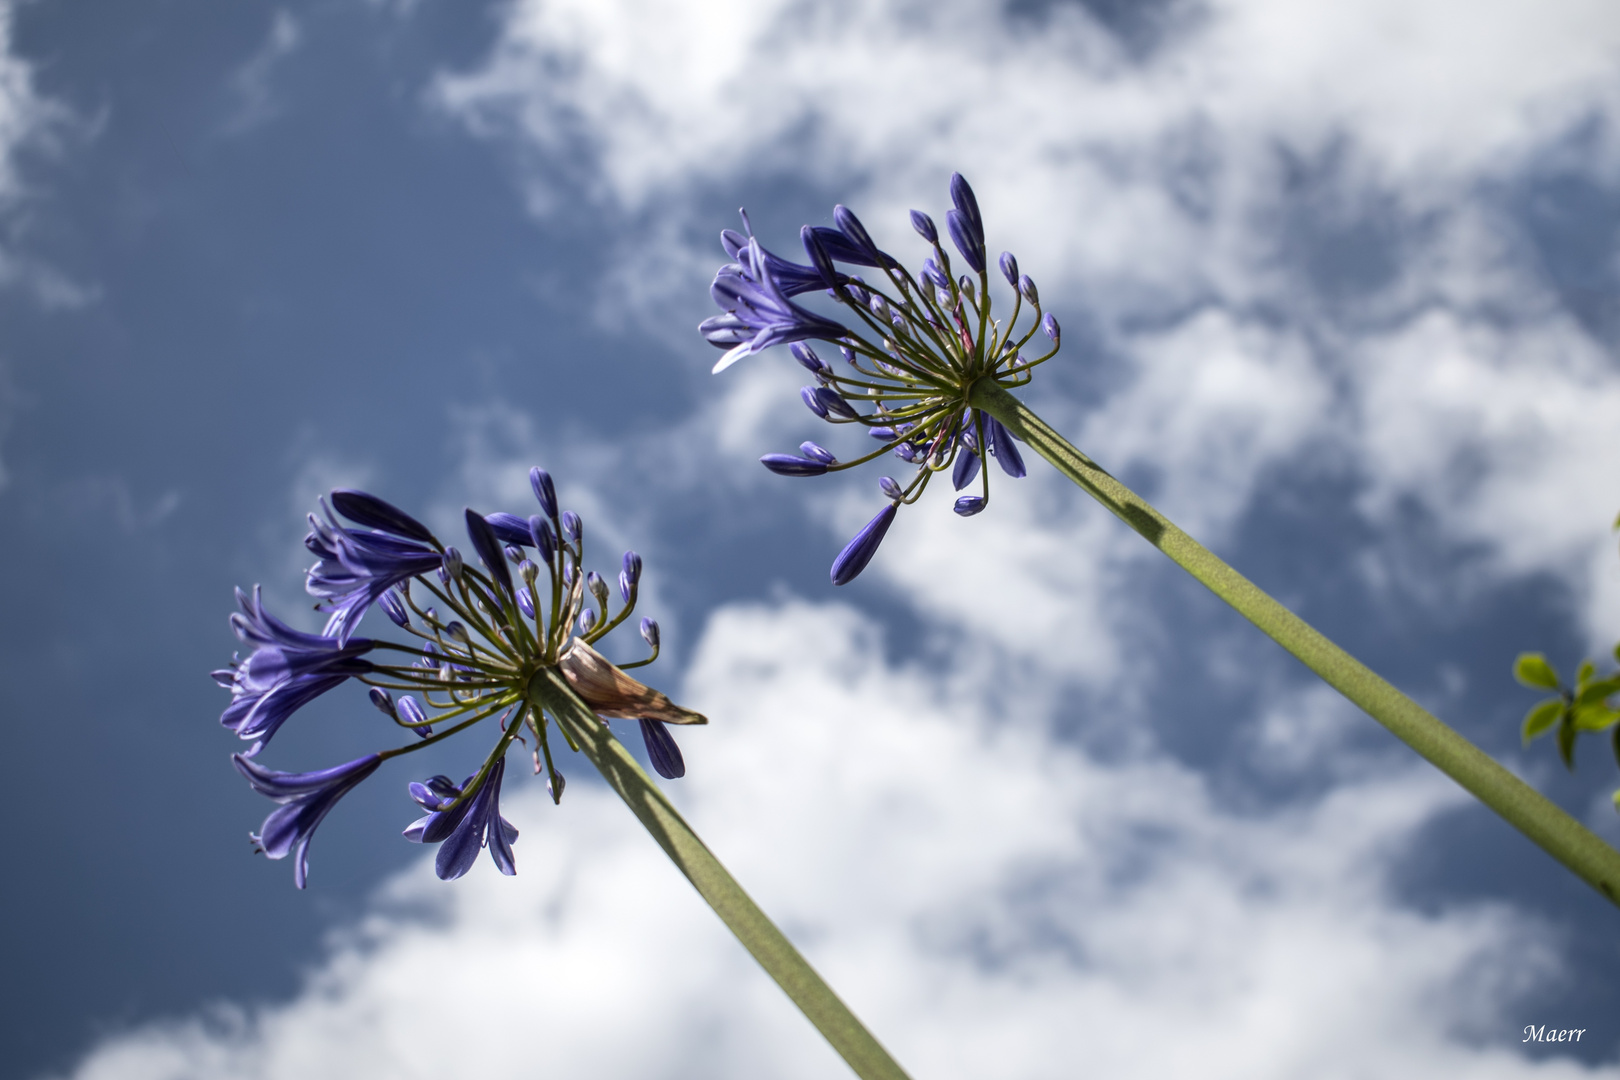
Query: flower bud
1053	330
817	453
394	607
807	394
1031	293
525	602
788	465
629	575
968	505
859	551
383	700
1009	268
544	491
587	619
805	355
528	572
411	713
882	434
597	587
649	633
891	487
545	541
924	226
832	401
452	563
572	527
459	632
514	554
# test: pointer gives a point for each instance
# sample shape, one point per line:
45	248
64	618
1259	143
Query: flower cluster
913	349
480	635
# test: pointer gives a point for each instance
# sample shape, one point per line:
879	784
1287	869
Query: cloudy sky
1341	295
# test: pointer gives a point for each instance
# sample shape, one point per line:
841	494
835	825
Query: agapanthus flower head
914	348
477	638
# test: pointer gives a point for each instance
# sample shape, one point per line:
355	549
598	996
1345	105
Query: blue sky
1338	290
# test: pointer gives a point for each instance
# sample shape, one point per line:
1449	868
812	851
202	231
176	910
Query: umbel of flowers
912	349
477	636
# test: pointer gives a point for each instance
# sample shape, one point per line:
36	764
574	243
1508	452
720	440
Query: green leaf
1595	717
1617	800
1532	669
1584	673
1598	689
1566	742
1542	717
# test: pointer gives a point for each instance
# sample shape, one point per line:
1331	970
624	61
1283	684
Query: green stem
548	690
1526	809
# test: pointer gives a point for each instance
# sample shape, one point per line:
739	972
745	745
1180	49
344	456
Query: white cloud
991	904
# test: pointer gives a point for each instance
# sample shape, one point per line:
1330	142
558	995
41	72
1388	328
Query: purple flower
305	799
356	568
452	673
859	551
758	313
467	826
915	347
661	749
286	670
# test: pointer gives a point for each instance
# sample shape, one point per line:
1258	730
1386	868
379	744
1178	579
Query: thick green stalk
1526	809
549	691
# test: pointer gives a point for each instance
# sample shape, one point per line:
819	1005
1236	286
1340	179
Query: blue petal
374	513
1001	444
